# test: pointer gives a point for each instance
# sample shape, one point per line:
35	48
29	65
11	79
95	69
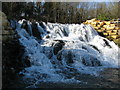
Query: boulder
58	46
91	62
4	20
106	43
67	55
25	26
42	25
35	31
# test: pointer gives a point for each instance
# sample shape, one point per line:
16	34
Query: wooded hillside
62	12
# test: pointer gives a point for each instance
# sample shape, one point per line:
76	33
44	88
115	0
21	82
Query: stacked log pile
109	29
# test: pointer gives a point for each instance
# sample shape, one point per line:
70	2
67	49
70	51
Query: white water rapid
62	50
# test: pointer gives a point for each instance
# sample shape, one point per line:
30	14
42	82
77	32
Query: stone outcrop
12	53
108	29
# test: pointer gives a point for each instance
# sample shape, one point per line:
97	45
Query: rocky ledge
12	53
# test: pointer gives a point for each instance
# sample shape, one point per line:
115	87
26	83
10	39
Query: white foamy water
84	51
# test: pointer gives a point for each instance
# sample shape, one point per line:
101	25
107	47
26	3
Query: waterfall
66	49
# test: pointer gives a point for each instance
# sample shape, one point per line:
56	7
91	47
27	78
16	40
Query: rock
95	48
58	46
25	26
42	25
67	55
92	62
4	20
59	56
11	60
27	61
48	52
107	43
35	31
48	32
12	53
47	36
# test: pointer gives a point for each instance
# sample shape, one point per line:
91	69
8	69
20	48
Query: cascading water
64	50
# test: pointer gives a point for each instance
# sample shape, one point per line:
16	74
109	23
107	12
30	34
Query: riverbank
109	78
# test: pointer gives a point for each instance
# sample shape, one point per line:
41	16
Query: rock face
109	29
12	54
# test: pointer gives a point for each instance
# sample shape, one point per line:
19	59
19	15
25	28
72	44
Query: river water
66	56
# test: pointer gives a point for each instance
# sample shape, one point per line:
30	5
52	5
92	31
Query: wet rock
48	52
64	32
4	20
107	43
42	25
47	36
95	48
85	48
35	31
11	60
12	53
48	32
91	62
59	56
27	61
25	26
68	55
58	46
69	58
